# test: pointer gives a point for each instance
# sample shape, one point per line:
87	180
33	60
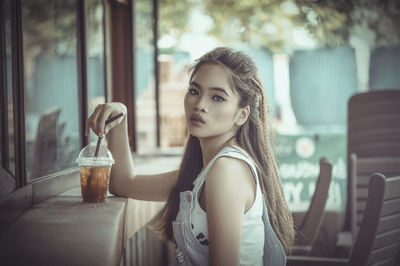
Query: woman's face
211	106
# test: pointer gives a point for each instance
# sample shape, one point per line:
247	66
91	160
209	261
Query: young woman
225	205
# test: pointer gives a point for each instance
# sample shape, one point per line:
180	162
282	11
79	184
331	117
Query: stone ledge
46	223
63	230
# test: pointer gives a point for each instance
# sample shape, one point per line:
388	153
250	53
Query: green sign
298	158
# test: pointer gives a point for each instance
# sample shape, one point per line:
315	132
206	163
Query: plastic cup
95	173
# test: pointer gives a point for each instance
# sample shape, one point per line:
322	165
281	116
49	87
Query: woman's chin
197	133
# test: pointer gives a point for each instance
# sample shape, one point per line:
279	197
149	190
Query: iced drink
95	173
94	182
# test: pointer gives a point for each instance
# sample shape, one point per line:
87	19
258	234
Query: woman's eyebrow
212	88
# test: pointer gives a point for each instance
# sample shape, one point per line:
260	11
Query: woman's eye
193	91
218	98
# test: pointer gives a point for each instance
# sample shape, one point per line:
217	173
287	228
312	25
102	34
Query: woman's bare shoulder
230	182
231	173
231	166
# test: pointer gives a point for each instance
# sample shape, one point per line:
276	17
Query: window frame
156	73
3	91
17	66
4	137
81	55
122	60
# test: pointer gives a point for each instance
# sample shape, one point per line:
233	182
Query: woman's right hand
97	120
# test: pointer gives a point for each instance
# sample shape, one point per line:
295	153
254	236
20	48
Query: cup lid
86	156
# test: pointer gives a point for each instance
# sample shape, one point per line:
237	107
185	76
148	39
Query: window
50	86
43	68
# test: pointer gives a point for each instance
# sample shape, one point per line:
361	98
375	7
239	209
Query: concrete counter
63	230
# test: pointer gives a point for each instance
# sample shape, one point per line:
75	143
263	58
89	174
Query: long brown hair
255	136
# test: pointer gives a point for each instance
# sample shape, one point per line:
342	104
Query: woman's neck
211	146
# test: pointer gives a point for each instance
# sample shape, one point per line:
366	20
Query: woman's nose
200	104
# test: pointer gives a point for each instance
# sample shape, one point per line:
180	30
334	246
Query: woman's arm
229	192
123	180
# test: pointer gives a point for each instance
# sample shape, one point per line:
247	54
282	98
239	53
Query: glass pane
7	182
179	46
173	87
95	55
50	80
144	76
174	61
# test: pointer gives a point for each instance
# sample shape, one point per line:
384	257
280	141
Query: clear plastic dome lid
86	156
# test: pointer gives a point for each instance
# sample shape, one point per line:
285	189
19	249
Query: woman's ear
243	115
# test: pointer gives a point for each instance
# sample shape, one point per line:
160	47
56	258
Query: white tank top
259	244
252	237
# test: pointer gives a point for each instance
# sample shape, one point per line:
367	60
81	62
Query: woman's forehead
213	75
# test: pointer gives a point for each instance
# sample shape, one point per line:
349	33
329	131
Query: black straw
97	147
108	121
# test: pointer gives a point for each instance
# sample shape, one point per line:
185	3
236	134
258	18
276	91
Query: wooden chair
311	223
362	168
378	241
373	128
374	135
373	145
375	99
390	167
46	144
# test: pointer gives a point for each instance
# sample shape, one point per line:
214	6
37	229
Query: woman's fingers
112	124
102	112
87	127
94	119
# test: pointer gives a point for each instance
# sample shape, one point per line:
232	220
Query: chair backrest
373	128
378	241
312	221
362	169
47	139
373	131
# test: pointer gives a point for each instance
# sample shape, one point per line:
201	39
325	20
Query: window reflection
174	80
95	55
50	86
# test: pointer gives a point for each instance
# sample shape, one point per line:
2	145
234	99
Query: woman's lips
197	120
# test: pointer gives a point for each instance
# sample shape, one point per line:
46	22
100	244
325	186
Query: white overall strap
198	182
230	151
240	153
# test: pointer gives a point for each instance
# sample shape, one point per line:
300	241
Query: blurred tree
174	15
262	23
46	23
143	23
334	21
50	26
270	23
